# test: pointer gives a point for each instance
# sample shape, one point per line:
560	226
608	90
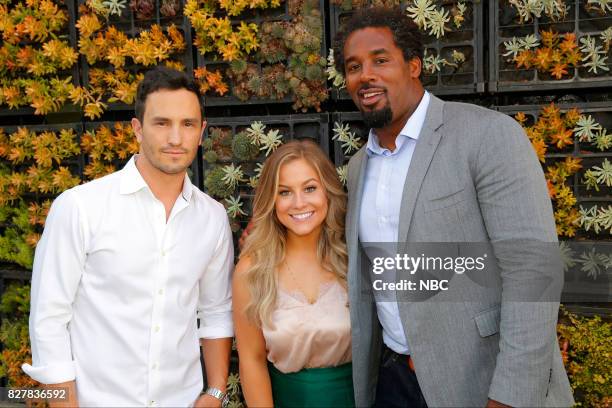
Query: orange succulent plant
555	56
555	129
210	81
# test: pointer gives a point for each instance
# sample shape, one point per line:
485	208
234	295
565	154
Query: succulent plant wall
233	166
558	55
586	344
35	166
564	141
543	41
14	309
274	60
37	56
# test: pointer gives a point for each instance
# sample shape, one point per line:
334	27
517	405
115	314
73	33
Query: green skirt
313	387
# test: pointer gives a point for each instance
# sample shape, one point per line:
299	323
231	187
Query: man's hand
71	401
495	404
206	400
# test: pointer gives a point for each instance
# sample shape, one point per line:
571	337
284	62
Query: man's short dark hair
406	33
162	77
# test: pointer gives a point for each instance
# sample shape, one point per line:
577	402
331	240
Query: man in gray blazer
435	171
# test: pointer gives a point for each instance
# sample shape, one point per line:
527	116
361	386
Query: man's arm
517	211
215	314
58	266
216	358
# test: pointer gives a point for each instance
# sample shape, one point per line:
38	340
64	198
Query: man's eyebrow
377	51
163	118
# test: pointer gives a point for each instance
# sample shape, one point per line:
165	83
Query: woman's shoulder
243	266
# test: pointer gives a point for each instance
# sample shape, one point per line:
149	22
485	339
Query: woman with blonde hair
291	312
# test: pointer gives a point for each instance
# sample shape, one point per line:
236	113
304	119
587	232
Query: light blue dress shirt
380	207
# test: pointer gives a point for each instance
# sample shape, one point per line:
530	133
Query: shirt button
155	366
163	252
157	328
160	292
151	403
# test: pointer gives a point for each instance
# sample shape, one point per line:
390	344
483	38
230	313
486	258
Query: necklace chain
297	284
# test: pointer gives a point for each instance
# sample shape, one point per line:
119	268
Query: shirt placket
160	275
382	197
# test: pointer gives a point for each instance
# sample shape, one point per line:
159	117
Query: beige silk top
304	335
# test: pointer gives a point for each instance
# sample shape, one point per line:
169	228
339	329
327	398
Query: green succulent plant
215	185
243	147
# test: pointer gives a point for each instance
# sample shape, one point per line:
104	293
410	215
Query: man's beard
377	119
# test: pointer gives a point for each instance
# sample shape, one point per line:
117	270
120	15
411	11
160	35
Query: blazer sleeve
518	216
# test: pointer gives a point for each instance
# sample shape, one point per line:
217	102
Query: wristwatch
218	394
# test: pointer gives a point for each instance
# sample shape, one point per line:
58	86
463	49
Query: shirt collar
411	130
132	181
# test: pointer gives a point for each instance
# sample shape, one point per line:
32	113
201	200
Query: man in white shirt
129	262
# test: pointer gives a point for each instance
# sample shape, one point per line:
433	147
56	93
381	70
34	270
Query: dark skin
378	76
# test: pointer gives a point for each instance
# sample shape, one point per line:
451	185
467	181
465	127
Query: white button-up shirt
117	291
383	187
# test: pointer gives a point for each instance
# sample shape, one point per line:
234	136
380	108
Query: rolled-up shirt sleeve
58	266
215	303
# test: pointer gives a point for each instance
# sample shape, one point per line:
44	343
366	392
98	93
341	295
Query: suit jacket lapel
421	158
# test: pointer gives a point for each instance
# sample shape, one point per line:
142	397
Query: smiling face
301	202
170	132
384	86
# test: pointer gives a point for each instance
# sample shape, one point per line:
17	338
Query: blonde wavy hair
266	243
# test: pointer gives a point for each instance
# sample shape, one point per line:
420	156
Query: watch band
218	394
215	392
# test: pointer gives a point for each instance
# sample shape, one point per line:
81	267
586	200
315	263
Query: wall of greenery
69	71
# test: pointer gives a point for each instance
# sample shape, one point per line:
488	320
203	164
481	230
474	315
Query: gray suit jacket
474	177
